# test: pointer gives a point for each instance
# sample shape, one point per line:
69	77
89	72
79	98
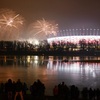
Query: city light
33	41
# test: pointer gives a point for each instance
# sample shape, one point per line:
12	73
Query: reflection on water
51	70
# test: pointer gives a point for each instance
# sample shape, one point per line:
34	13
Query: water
51	70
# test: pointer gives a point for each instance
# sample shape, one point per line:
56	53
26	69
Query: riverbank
51	53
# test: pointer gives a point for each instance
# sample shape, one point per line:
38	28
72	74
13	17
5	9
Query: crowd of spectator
37	90
14	90
64	92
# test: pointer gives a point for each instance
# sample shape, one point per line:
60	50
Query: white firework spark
10	24
10	21
43	28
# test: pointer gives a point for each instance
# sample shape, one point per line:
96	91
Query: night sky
67	13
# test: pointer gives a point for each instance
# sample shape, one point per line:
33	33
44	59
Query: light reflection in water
79	73
51	70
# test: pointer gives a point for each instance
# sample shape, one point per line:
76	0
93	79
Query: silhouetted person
25	88
55	91
91	94
41	89
19	88
9	88
98	94
85	93
2	88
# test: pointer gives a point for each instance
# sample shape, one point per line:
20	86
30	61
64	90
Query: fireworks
43	28
10	24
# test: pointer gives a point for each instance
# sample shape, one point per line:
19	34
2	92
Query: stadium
75	35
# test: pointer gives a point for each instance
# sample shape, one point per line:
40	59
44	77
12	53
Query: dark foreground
37	92
30	97
62	93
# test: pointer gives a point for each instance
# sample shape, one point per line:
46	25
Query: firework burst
10	24
42	28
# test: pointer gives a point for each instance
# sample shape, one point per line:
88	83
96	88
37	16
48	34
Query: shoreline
51	53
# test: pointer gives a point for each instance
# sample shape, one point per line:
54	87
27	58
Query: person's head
9	80
18	80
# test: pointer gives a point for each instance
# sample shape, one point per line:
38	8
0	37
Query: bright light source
33	41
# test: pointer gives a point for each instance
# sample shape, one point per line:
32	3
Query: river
51	70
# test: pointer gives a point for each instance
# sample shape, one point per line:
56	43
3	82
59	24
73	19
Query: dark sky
67	13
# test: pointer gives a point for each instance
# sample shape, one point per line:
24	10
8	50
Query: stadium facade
75	35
